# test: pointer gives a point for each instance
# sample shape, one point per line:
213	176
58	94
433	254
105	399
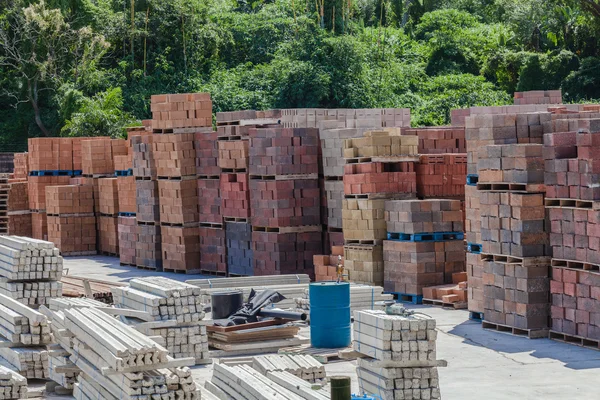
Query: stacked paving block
363	263
71	220
441	175
18	216
518	164
175	158
538	97
183	330
31	270
424	245
284	199
398	355
107	218
185	110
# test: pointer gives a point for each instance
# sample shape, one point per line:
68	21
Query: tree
39	51
592	6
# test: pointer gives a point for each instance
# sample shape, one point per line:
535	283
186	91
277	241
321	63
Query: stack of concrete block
213	250
511	163
378	177
50	154
178	201
332	148
148	250
363	220
174	155
277	253
538	97
383	143
207	155
31	270
147	199
350	118
399	355
209	201
12	385
169	300
474	244
36	188
240	259
21	166
439	140
107	220
425	244
144	164
441	175
233	153
17	208
363	263
513	224
180	248
334	198
184	110
71	220
97	157
235	195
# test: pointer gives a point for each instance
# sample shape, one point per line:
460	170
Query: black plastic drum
226	303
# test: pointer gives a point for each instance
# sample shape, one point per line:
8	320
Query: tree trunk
33	97
593	6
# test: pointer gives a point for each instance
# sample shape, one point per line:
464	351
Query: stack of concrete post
26	333
299	365
30	270
178	305
12	385
398	355
424	245
114	361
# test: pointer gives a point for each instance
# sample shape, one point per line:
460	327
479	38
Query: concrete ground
481	363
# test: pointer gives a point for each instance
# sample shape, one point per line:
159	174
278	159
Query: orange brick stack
127	194
174	155
109	196
538	97
123	163
71	222
454	293
184	110
144	165
37	189
439	140
97	157
39	225
19	216
50	154
377	177
441	175
178	201
233	154
181	249
77	157
326	266
128	238
21	162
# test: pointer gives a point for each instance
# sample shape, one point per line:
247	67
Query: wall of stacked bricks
411	266
326	265
21	166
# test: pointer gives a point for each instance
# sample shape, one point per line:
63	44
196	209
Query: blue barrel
329	314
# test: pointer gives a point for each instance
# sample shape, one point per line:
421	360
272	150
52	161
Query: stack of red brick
185	110
19	216
21	162
284	199
439	140
326	265
538	97
71	221
441	175
378	177
107	216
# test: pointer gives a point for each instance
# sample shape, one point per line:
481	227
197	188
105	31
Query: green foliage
585	82
101	115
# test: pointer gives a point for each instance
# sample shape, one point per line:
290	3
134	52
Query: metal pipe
277	313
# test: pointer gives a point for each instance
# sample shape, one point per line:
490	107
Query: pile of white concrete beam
178	305
302	366
399	355
30	270
362	297
244	382
30	362
114	361
21	325
62	303
12	385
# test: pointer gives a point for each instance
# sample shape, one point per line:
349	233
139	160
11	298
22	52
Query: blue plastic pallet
77	172
407	298
55	172
126	214
125	172
472	179
475	316
474	248
425	237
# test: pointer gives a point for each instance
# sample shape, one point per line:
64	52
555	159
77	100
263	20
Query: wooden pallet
262	346
512	187
528	333
524	261
267	177
383	159
576	340
575	265
573	203
252	335
440	303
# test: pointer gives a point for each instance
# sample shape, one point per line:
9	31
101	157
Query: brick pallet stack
17	208
97	162
108	217
175	113
424	245
284	199
175	158
71	220
514	239
148	251
538	97
126	221
379	166
573	207
491	126
50	163
21	161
